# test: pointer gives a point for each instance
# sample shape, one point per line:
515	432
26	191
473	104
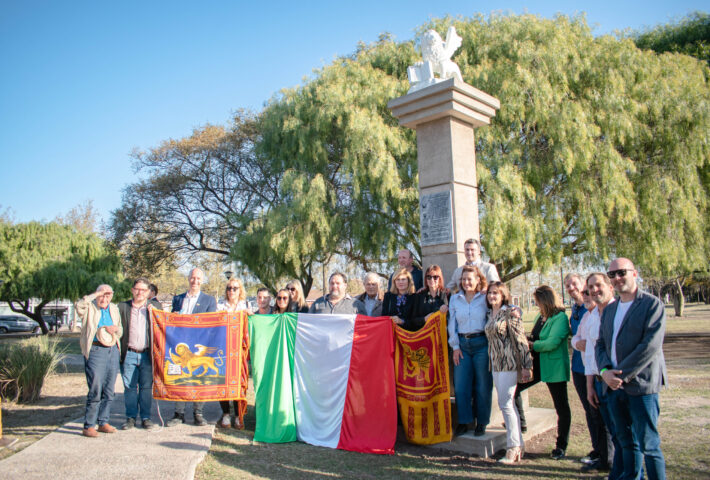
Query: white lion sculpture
436	56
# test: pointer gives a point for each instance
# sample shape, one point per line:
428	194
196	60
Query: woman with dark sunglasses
298	299
234	300
432	299
283	302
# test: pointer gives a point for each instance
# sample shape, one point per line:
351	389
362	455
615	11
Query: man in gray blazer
629	354
192	301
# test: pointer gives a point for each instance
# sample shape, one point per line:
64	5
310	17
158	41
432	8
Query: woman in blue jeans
467	337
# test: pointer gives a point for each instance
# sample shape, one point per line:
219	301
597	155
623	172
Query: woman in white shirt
234	300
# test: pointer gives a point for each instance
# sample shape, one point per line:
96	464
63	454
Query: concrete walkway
172	453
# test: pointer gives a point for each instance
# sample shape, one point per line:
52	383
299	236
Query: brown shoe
106	428
90	432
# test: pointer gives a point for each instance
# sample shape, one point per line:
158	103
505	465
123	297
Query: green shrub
25	365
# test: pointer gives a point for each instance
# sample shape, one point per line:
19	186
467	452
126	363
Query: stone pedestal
445	116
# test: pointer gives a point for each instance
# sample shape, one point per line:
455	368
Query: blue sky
83	83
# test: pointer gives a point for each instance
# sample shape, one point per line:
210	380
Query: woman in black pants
548	342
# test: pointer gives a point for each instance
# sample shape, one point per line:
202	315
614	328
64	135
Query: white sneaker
226	421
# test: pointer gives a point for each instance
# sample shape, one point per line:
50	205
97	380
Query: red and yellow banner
422	379
200	357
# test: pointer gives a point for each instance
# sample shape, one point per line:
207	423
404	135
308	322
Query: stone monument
445	111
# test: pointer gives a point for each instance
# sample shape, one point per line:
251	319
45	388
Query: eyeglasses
291	289
140	290
432	277
618	273
232	289
585	292
282	298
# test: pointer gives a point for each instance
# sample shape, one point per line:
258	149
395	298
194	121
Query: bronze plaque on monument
437	225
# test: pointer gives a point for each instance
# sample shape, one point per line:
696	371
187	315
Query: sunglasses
291	289
432	277
232	289
617	273
282	298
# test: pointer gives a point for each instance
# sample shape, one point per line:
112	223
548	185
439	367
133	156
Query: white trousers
505	383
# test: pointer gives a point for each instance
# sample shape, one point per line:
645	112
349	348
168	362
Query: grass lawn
684	426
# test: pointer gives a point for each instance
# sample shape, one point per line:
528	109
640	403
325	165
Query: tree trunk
678	299
24	308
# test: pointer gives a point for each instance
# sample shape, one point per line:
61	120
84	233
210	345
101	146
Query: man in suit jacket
136	360
629	354
192	301
371	299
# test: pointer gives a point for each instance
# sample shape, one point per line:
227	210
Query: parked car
18	323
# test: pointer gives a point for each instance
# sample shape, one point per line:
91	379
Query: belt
135	350
98	344
472	335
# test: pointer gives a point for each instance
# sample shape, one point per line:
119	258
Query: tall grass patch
25	365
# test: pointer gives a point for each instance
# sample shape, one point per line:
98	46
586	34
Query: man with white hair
370	302
192	301
100	331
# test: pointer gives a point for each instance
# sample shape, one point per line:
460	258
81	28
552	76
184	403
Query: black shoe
523	428
460	429
479	431
176	420
199	420
128	424
590	458
148	424
558	454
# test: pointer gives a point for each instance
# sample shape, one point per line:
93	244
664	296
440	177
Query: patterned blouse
507	345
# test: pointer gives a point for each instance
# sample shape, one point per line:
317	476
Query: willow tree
48	261
348	171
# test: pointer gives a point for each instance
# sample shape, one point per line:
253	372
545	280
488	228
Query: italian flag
327	380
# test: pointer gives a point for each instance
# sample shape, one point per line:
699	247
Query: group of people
617	364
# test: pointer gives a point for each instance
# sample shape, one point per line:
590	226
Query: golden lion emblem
185	358
416	363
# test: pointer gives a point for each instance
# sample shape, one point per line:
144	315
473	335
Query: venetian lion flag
327	380
422	376
200	357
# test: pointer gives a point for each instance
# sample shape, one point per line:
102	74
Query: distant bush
25	365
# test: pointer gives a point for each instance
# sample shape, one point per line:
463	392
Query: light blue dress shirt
465	317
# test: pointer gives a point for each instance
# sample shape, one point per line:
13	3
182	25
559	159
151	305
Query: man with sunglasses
629	354
136	360
192	301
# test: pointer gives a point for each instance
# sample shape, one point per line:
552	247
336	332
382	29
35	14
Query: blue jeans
617	465
473	377
137	375
101	369
635	418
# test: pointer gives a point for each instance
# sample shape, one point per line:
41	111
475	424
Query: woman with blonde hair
234	300
548	342
298	299
509	355
398	303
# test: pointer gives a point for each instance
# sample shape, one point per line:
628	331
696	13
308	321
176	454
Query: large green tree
348	171
48	261
690	35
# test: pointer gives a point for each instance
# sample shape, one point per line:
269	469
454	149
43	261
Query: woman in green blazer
548	342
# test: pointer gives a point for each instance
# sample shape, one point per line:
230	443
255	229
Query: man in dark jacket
629	354
136	362
192	301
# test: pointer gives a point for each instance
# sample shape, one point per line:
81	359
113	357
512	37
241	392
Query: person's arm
452	327
519	341
578	337
83	305
558	333
650	344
